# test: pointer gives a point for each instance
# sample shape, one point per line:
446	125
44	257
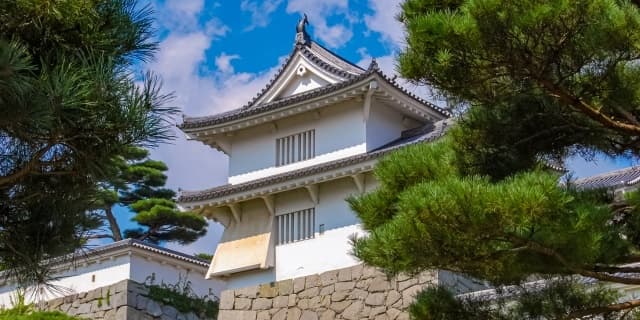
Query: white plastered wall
339	133
142	268
329	250
385	125
112	269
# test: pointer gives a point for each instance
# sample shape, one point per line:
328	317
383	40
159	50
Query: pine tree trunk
113	225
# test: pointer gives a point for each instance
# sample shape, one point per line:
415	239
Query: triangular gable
310	66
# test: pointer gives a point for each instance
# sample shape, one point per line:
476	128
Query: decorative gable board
299	75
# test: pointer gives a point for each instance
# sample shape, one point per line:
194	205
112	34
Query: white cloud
318	12
216	29
260	12
383	21
188	8
223	62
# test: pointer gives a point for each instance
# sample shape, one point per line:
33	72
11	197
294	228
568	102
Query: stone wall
352	293
125	300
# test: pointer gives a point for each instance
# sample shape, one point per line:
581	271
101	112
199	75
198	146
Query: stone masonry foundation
125	300
352	293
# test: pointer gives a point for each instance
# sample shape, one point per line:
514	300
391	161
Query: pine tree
69	105
535	81
138	183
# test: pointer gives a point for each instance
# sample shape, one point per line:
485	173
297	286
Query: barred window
296	226
296	147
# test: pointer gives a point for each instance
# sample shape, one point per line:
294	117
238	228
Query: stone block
393	313
237	315
407	283
294	314
298	284
226	299
327	290
381	317
242	304
309	315
352	312
343	286
378	284
356	272
392	297
344	274
409	294
375	299
339	295
285	287
308	293
153	308
267	290
358	294
293	300
247	292
328	315
264	315
371	272
312	281
169	311
315	302
280	315
141	302
339	306
303	304
261	304
84	308
329	277
377	310
281	302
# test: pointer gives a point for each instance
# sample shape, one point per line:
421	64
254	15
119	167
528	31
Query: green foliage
22	311
506	231
181	296
557	299
69	106
533	81
138	183
560	76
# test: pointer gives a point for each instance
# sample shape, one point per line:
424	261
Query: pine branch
605	309
587	109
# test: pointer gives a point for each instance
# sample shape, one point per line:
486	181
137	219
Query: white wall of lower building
110	269
84	277
141	269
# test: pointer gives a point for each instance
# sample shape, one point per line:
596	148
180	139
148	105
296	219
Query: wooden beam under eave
269	203
358	180
235	211
313	193
373	86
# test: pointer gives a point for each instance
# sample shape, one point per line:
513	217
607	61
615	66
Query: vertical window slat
295	226
296	147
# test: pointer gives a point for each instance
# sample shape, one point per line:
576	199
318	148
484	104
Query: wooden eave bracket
313	193
373	86
269	204
358	180
235	211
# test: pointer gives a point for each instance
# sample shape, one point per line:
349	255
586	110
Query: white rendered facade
289	218
137	262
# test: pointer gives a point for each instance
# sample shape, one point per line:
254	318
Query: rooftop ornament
301	33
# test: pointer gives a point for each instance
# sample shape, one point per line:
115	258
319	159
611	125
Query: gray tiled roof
427	133
106	249
323	58
613	179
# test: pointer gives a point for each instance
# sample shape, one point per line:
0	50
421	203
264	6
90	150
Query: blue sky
216	55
